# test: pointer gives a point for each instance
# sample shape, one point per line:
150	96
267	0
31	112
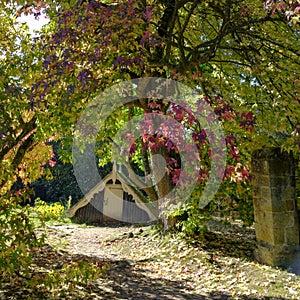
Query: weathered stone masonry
275	208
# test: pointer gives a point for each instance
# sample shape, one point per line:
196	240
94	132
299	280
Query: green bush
232	201
21	245
49	212
17	236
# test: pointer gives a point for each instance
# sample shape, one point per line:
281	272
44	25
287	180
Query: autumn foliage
241	58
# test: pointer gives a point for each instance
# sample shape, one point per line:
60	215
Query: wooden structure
114	199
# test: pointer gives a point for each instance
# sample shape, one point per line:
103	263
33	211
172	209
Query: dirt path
87	241
147	266
144	264
136	267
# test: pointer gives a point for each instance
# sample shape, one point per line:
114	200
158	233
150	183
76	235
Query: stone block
280	168
256	203
292	236
278	203
278	236
264	255
256	166
258	219
290	205
269	234
272	257
264	180
292	218
260	167
266	193
256	190
283	219
273	161
276	219
265	199
263	218
278	180
289	193
262	232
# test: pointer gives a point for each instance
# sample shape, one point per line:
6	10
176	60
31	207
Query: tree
23	149
243	59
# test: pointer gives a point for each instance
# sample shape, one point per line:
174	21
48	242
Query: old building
114	199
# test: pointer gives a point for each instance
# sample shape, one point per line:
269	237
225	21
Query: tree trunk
163	183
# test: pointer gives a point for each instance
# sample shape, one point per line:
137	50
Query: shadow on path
123	281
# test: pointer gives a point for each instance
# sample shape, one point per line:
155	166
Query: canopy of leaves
247	54
243	58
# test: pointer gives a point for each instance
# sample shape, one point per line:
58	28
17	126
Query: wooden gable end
110	201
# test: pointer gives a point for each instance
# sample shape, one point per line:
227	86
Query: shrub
17	236
49	212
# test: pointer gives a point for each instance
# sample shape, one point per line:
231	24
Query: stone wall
275	209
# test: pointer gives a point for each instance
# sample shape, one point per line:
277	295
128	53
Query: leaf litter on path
145	264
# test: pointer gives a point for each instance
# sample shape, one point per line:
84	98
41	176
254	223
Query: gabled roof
127	185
